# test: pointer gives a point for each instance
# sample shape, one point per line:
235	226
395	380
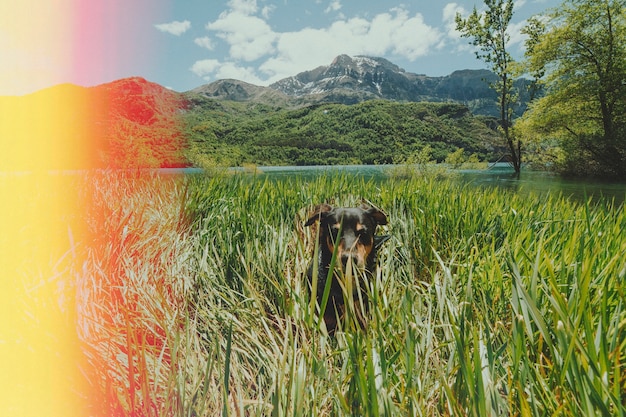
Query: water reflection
540	182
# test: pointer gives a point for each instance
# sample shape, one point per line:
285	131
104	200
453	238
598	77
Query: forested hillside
128	123
373	132
133	123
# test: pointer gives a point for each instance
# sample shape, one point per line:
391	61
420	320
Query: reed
485	303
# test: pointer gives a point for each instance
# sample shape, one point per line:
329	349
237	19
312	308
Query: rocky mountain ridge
351	80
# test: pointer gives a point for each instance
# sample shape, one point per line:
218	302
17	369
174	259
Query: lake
500	176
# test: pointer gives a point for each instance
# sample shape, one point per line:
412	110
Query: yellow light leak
40	223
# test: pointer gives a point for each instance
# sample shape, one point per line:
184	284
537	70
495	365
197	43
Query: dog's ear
379	217
374	212
320	211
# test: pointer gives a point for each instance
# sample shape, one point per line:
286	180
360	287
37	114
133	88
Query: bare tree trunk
516	155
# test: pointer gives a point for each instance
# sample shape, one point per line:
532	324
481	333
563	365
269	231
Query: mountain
351	80
141	101
123	124
355	110
354	79
236	90
143	126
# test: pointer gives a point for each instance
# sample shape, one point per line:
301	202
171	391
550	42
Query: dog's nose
345	257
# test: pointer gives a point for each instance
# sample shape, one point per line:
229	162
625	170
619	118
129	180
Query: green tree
456	158
581	48
488	31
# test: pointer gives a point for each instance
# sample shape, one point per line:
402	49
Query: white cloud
205	42
450	11
280	54
205	67
212	69
299	51
175	28
398	33
519	4
516	36
249	37
334	6
243	6
237	72
411	37
267	10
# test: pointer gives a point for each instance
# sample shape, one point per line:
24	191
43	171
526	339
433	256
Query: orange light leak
43	236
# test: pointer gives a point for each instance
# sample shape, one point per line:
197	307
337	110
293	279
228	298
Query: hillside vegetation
133	123
373	132
129	123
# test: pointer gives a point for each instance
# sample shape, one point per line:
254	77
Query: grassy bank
194	302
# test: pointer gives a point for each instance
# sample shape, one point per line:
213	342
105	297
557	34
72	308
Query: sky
182	44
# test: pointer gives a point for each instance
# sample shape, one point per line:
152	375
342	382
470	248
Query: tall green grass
485	303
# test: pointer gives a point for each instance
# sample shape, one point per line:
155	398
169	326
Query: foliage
486	303
488	31
129	123
419	164
142	124
372	132
581	47
456	158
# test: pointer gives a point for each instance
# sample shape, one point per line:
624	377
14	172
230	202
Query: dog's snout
352	258
345	258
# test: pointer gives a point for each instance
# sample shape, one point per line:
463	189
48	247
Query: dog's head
350	230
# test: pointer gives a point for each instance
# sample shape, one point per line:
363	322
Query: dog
350	234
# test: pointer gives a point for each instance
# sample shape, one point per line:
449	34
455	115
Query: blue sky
263	41
182	44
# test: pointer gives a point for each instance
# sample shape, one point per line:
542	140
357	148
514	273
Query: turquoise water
501	176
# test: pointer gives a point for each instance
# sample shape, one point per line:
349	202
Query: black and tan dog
350	233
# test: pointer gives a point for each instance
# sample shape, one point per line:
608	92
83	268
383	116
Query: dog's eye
364	237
